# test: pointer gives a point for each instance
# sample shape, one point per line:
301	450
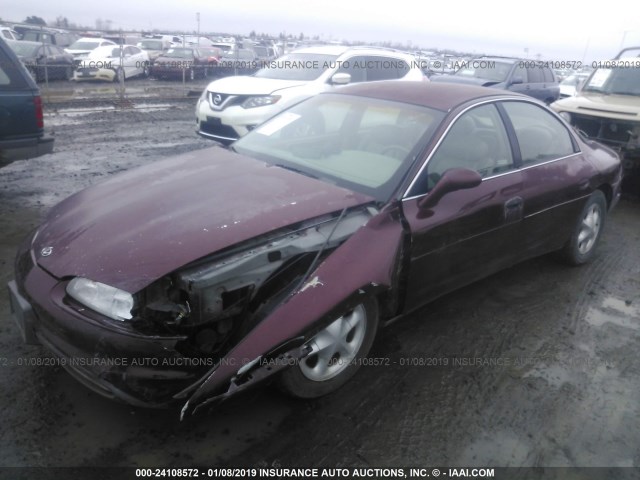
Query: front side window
477	141
541	136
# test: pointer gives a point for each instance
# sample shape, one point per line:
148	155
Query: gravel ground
535	366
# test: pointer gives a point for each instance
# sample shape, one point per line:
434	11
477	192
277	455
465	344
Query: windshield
363	144
298	66
486	70
180	53
616	81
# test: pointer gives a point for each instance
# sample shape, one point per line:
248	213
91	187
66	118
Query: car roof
441	96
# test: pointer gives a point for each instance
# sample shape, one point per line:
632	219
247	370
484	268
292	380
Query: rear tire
338	351
581	247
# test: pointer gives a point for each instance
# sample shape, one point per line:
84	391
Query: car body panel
181	218
326	291
447	238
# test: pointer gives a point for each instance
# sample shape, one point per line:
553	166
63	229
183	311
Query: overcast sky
555	29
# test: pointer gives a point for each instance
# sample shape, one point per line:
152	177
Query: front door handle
513	209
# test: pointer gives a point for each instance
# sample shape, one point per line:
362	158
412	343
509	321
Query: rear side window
541	136
535	75
11	72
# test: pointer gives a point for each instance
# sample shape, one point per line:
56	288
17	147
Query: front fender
366	264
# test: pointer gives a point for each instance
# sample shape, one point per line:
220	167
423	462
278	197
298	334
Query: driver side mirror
452	180
341	78
516	80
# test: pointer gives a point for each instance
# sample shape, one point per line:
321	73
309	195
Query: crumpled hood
142	224
243	85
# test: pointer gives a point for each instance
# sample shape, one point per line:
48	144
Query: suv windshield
486	70
616	81
363	144
298	66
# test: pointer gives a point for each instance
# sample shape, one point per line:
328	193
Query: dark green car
21	119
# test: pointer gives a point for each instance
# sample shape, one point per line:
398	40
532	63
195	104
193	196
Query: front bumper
112	360
231	123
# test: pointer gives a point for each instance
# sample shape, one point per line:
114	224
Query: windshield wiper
294	169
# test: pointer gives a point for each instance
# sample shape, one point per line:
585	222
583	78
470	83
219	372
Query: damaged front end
216	301
184	324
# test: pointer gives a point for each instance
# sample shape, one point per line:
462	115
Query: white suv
232	106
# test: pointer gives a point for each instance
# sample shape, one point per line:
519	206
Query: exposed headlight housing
262	101
110	301
566	116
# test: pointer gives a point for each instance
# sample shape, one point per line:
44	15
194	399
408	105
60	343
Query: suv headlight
110	301
262	101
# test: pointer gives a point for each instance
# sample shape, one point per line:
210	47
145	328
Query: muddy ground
535	366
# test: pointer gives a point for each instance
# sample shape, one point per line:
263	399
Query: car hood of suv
243	85
620	107
140	225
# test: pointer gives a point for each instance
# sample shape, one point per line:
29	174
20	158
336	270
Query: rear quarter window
12	74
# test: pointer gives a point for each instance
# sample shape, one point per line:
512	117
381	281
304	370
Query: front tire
582	245
337	353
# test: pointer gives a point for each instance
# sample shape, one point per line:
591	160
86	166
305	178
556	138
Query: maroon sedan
197	277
